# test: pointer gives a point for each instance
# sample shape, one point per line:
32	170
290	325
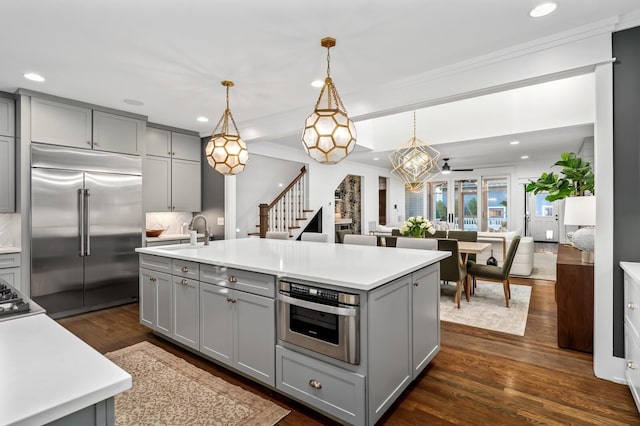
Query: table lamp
581	211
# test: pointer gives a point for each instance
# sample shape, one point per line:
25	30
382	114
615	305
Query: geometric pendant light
329	135
226	152
414	162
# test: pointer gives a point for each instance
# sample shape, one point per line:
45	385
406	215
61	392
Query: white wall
262	180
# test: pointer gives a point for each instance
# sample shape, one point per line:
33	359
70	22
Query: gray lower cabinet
10	269
331	389
65	124
237	329
631	332
7	174
186	303
156	304
426	318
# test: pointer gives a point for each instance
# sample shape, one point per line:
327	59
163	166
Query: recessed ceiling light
280	185
317	83
34	77
203	119
375	158
514	142
524	157
133	102
542	10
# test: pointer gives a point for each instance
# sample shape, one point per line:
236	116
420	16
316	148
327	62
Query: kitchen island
51	376
225	301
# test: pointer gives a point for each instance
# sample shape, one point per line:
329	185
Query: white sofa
500	241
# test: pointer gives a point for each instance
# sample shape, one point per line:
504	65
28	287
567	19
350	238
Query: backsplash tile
10	230
171	222
349	202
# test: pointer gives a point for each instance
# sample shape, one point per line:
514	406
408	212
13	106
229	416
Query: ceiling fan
446	169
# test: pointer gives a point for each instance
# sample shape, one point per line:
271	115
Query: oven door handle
346	312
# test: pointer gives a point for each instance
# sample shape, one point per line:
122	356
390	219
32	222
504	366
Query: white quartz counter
49	373
6	250
349	266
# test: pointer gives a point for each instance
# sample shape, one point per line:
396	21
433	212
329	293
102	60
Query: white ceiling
172	54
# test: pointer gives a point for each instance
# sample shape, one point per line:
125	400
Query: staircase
288	211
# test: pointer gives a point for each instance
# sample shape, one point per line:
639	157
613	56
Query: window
413	203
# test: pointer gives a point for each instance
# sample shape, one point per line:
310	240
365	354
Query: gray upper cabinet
117	133
70	125
7	117
185	147
158	142
60	124
7	175
185	186
156	184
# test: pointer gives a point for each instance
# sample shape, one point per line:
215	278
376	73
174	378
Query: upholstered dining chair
417	243
497	273
470	236
361	240
341	233
277	235
452	268
438	234
314	236
391	241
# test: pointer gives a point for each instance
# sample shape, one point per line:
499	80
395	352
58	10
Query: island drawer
326	387
186	269
251	282
155	263
9	260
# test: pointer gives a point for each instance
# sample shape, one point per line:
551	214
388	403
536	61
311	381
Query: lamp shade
580	211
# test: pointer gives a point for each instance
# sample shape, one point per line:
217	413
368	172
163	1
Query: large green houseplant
577	179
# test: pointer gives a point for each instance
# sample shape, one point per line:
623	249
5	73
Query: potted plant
577	179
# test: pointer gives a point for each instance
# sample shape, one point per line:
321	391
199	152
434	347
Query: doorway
382	200
541	220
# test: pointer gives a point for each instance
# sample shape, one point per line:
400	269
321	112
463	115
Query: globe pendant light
414	162
226	153
329	135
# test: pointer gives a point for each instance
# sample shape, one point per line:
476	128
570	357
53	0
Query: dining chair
437	234
497	273
452	268
361	240
417	243
471	236
341	233
277	235
314	236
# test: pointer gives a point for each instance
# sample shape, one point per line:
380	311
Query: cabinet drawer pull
184	282
631	365
185	269
96	144
153	279
315	384
88	142
173	153
631	305
169	153
416	284
233	279
231	300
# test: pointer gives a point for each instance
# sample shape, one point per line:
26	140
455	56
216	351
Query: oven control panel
317	293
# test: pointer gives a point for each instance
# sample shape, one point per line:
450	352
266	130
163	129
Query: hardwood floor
479	377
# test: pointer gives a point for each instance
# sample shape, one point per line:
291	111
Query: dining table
470	247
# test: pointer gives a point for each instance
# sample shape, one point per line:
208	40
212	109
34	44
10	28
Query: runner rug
486	308
167	390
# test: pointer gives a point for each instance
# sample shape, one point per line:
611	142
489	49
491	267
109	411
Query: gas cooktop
13	303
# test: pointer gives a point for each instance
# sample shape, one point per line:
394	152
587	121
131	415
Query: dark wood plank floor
479	377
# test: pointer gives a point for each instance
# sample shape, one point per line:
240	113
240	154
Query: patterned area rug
486	308
167	390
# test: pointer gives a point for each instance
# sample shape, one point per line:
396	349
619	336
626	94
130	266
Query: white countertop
349	266
633	269
49	373
7	249
170	237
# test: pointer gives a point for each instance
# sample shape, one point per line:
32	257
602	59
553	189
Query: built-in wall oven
322	320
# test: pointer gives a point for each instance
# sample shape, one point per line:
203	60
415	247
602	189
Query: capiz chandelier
226	153
329	135
414	162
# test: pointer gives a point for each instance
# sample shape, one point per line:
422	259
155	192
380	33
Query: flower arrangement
416	227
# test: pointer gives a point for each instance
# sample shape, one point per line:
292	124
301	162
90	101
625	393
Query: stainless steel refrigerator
86	216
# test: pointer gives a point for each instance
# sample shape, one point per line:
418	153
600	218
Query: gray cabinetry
172	177
426	318
389	345
632	328
156	301
7	174
186	311
237	328
10	269
331	389
7	117
65	124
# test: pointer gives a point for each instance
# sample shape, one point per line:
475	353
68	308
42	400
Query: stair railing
284	211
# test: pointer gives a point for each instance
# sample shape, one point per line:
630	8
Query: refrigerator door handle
88	212
81	208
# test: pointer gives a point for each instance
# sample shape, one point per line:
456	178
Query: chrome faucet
206	230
